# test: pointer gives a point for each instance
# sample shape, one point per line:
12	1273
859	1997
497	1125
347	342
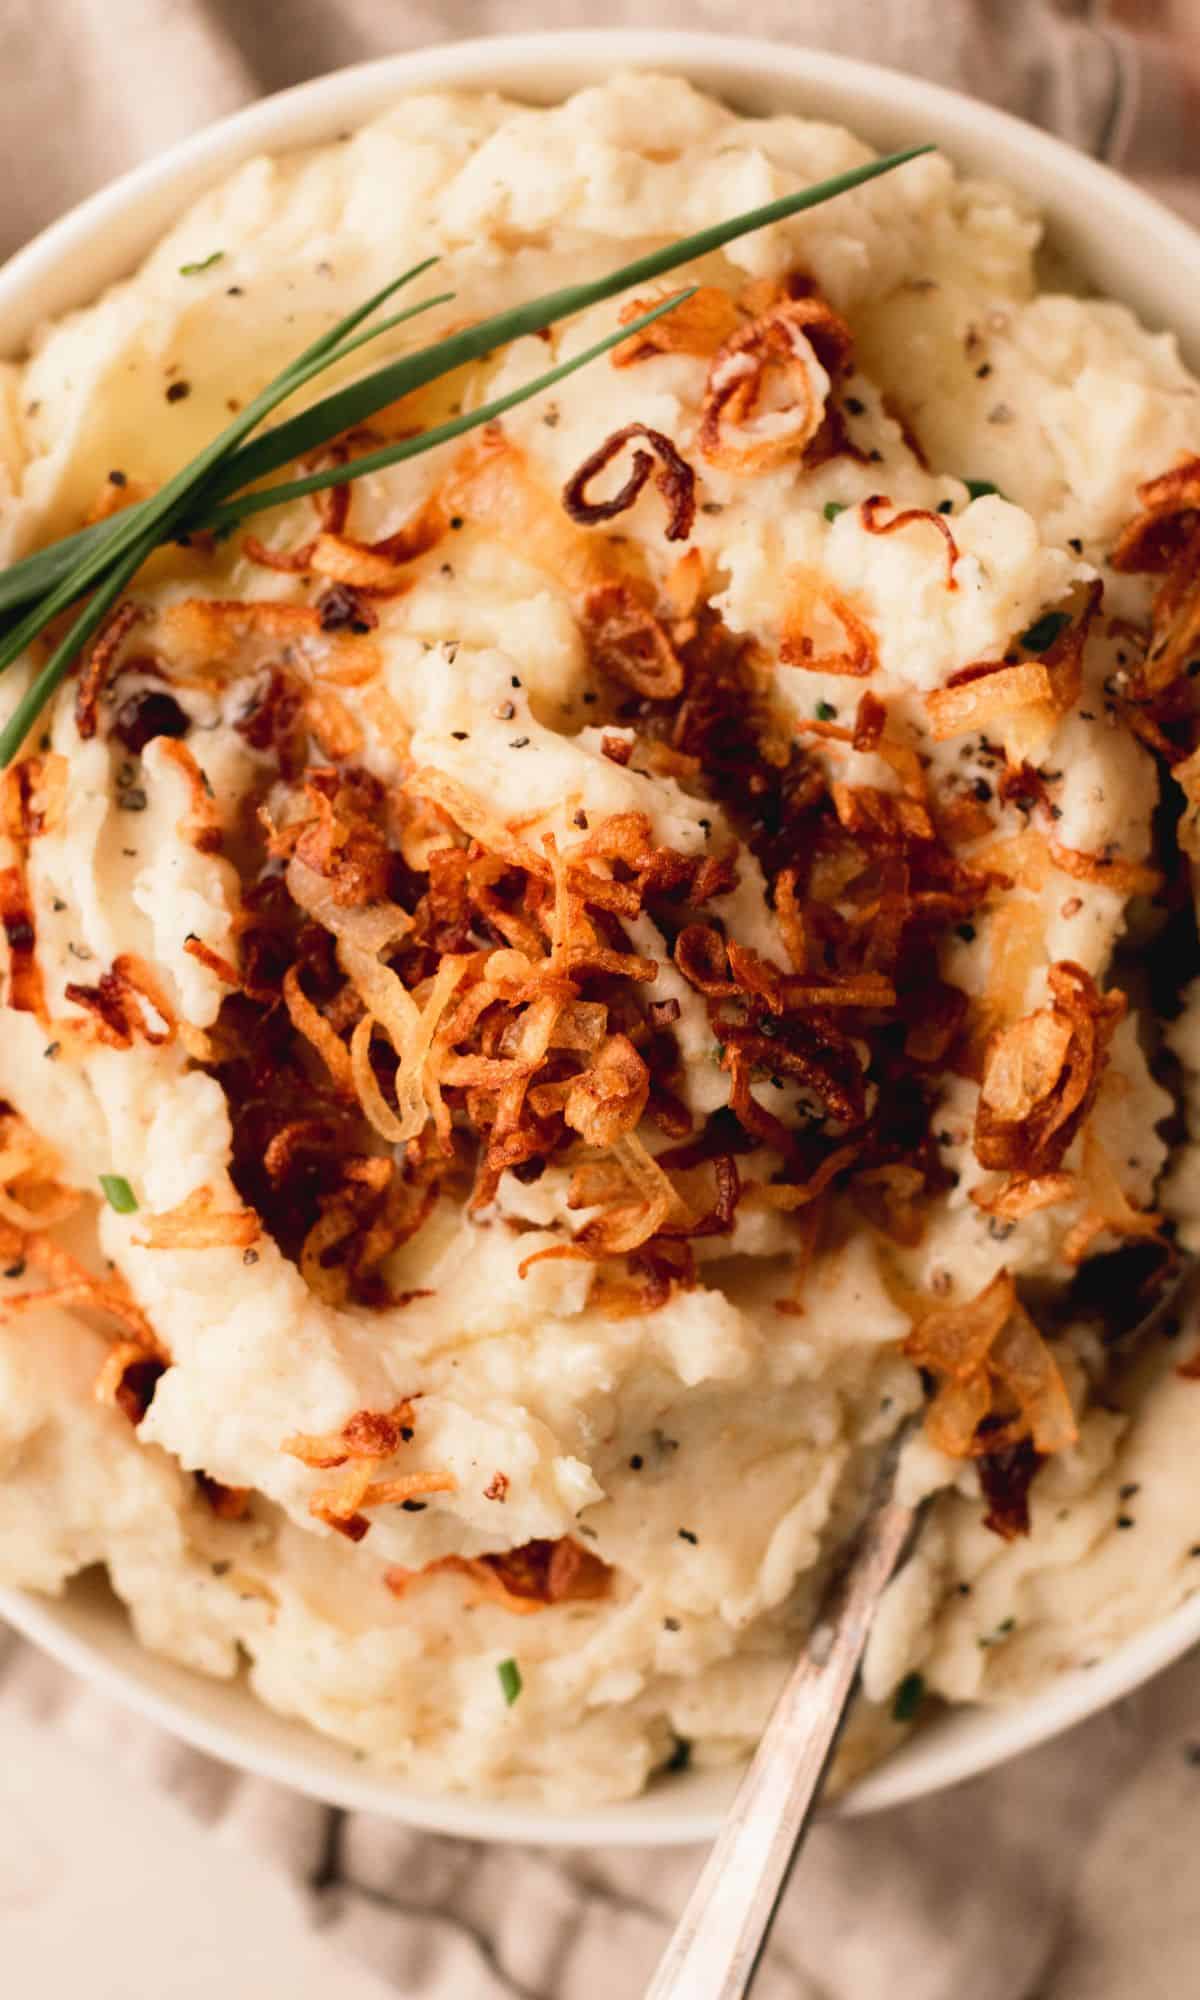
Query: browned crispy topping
273	722
24	1239
737	428
100	663
357	570
906	518
521	1580
199	1223
25	992
212	961
201	823
33	796
628	643
1154	539
674	479
127	1003
1041	1076
368	1434
999	1383
341	838
809	598
364	1444
698	326
991	690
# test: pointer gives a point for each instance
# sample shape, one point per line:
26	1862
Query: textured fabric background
1069	1875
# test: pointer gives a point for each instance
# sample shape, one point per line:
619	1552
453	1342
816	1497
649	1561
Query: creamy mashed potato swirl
401	882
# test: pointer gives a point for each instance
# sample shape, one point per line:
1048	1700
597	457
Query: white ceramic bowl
1130	247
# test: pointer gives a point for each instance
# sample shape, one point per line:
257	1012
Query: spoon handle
719	1939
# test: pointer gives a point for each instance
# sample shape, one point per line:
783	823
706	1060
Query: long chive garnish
73	562
359	400
164	513
92	617
34	574
103	558
413	447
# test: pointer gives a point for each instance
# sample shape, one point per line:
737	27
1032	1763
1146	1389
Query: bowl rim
102	239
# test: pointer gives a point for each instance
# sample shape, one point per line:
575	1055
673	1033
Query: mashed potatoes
582	991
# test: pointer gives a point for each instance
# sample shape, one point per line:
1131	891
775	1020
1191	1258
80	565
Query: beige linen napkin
1068	1875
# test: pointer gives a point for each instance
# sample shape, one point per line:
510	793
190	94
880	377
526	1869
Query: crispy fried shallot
72	1286
698	325
369	569
32	1200
1108	1210
200	639
26	994
799	342
1152	541
822	630
520	1580
101	661
629	644
127	1003
365	1442
673	478
368	1434
1041	1076
999	1382
200	826
33	796
992	691
212	961
199	1223
907	517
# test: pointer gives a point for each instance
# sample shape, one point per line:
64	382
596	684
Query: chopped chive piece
204	264
977	488
509	1675
908	1698
945	506
825	711
119	1194
833	508
1044	631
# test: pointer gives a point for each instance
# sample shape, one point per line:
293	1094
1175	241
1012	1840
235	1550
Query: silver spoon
719	1940
720	1937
